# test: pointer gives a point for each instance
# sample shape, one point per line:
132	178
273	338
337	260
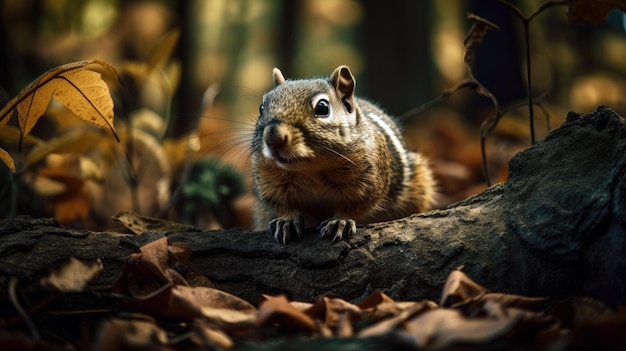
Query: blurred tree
398	68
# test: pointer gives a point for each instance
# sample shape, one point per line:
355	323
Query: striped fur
338	161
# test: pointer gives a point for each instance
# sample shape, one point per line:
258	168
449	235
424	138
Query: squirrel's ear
278	76
343	81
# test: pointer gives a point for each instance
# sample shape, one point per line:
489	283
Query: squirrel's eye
261	108
322	108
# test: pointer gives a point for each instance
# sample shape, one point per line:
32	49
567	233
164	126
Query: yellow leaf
33	107
11	135
7	159
87	95
75	141
163	51
74	85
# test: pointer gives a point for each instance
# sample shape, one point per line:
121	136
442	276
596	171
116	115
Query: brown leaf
156	256
179	254
374	299
74	85
122	334
140	224
68	195
475	35
277	311
224	309
329	310
593	11
440	328
391	324
379	306
229	320
147	271
73	275
516	301
459	289
212	298
189	303
209	333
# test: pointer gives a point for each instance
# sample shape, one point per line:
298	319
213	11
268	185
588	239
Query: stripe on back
397	144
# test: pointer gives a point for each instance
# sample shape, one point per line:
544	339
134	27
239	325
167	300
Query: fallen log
556	228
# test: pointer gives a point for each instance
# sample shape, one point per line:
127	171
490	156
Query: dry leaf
179	254
208	332
329	310
201	297
459	289
440	328
75	141
11	135
139	224
74	85
301	306
593	11
516	301
145	272
475	35
68	195
156	257
378	306
373	300
228	319
74	275
6	158
162	53
188	303
149	280
121	334
389	325
278	312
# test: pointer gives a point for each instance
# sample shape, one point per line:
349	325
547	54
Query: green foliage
211	186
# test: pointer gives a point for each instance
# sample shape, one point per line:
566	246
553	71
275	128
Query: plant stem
526	23
529	87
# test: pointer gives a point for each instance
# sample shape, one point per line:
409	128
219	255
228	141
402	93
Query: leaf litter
160	310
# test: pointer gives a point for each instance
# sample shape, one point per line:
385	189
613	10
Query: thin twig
469	82
16	303
526	23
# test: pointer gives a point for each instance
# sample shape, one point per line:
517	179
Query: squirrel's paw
283	229
337	228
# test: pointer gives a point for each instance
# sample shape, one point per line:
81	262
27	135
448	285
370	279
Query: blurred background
193	74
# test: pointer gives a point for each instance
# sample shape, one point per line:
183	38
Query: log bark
556	228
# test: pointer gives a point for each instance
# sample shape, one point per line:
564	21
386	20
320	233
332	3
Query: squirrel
321	155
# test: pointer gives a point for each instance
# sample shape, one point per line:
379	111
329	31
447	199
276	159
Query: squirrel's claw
282	229
337	229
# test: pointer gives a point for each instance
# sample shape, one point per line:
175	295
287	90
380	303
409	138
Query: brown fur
343	167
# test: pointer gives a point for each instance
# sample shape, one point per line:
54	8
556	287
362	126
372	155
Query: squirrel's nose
275	136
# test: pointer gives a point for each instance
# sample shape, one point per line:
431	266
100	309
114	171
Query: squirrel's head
307	124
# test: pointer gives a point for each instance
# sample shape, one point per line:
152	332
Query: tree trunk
555	228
